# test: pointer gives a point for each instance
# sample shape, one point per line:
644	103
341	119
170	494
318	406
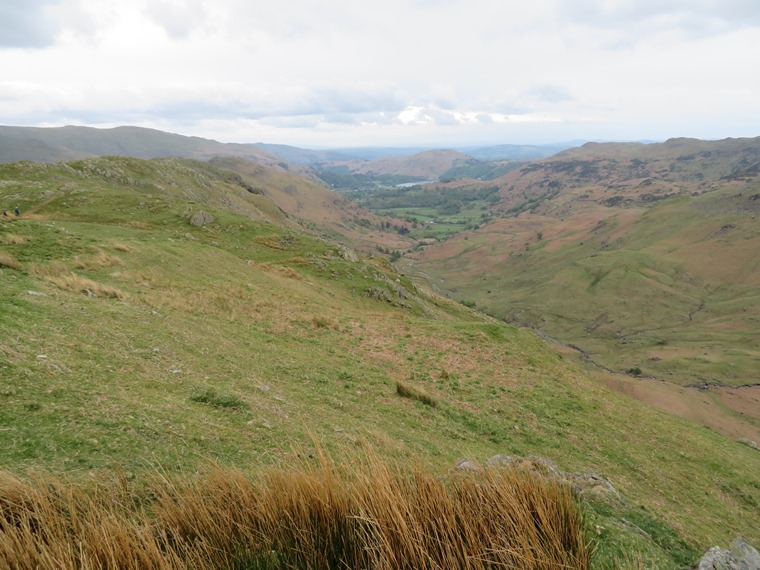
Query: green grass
236	340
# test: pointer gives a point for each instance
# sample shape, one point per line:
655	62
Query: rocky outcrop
586	484
200	219
740	556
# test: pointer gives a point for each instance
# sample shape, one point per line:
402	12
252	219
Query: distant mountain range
72	142
307	157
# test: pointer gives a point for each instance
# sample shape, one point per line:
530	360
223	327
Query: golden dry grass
9	261
314	514
47	270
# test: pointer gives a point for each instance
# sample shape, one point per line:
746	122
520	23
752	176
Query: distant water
410	184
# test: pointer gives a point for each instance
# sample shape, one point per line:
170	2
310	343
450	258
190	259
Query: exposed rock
201	219
465	464
584	484
35	294
591	484
740	556
380	294
749	443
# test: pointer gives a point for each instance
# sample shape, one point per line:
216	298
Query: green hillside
643	256
160	313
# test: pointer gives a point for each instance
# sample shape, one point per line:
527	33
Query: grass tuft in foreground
314	514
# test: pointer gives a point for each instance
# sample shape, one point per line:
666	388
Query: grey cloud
289	111
549	94
178	20
26	23
440	116
705	16
297	122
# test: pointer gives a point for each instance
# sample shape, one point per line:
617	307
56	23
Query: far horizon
411	147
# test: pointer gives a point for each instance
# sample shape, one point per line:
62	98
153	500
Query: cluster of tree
386	225
395	254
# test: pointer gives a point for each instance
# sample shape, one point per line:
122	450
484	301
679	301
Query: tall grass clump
9	261
407	391
314	513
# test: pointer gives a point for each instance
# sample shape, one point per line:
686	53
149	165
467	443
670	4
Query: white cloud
414	69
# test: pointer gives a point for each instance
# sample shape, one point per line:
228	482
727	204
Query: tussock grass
288	272
311	514
47	271
407	391
9	261
123	247
324	322
213	398
74	282
14	239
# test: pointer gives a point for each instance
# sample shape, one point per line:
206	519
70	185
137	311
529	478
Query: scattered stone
749	443
155	313
740	556
36	294
42	357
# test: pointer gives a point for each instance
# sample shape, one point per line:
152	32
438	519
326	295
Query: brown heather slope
430	164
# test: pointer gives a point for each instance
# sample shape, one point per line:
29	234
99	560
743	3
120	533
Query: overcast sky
396	72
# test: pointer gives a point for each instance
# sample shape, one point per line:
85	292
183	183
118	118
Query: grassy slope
233	340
